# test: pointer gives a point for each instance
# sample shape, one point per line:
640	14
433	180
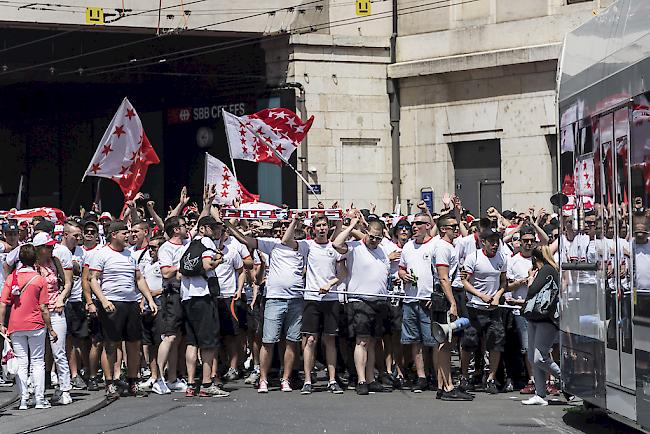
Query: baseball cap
208	221
106	215
43	239
89	223
489	233
509	214
117	226
44	226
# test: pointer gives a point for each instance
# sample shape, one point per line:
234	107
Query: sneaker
78	383
23	404
508	387
263	387
216	381
399	383
285	386
455	395
535	400
491	387
159	387
179	385
64	399
465	385
231	375
306	389
529	389
122	387
375	386
190	392
41	405
93	386
420	385
551	389
432	382
112	392
386	379
213	392
145	372
134	390
352	382
439	394
362	388
252	377
147	384
335	388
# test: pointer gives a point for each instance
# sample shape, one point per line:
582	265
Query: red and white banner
124	152
217	173
51	214
250	136
246	196
279	213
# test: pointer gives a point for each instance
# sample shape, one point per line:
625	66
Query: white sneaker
65	399
535	400
285	386
147	384
180	385
23	404
252	378
160	387
41	405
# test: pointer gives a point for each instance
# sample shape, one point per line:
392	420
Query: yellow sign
94	15
363	8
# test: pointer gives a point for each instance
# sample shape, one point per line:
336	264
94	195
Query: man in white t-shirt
519	266
120	313
415	271
169	256
368	273
284	302
325	270
200	311
486	283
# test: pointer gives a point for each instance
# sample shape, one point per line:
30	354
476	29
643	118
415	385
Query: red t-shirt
25	309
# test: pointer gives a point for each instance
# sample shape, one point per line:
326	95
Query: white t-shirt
368	270
321	268
642	267
286	268
118	273
232	243
485	275
446	254
153	276
418	257
64	255
227	270
518	268
466	246
169	255
390	247
78	257
197	286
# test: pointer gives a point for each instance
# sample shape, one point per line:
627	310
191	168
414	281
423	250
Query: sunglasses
374	238
90	232
416	223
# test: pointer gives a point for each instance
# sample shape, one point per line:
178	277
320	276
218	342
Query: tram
604	174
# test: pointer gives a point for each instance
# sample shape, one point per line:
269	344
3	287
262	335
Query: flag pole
285	161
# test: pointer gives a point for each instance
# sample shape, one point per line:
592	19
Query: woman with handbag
25	290
541	311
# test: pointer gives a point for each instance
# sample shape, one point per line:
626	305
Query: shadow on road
595	421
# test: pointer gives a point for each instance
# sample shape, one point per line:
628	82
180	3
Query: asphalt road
398	412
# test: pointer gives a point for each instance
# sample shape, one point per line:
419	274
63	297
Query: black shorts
489	326
368	318
228	325
393	321
171	313
152	325
77	319
461	302
94	325
123	324
201	322
255	318
320	317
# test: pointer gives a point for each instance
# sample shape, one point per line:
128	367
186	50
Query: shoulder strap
22	288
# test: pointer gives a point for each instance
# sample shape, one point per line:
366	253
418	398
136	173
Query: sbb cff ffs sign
186	115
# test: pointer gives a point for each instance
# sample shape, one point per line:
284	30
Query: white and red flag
220	175
250	136
245	196
124	153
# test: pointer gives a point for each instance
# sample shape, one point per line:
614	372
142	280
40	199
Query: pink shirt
25	309
48	271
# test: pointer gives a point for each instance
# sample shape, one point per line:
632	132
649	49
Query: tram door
612	244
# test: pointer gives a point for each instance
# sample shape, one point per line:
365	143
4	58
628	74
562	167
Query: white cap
43	239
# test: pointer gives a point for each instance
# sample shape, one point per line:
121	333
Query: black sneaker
335	388
93	386
352	382
420	385
432	382
386	379
455	395
78	383
398	383
439	394
465	385
362	388
491	387
375	386
306	389
112	392
134	390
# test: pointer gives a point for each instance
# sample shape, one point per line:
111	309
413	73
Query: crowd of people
188	304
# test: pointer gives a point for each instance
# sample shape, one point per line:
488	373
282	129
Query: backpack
191	263
543	305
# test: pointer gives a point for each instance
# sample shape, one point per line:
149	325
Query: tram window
640	198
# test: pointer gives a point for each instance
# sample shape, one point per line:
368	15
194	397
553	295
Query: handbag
543	305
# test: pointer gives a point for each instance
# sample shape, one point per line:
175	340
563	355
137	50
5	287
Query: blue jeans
522	328
416	325
282	317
